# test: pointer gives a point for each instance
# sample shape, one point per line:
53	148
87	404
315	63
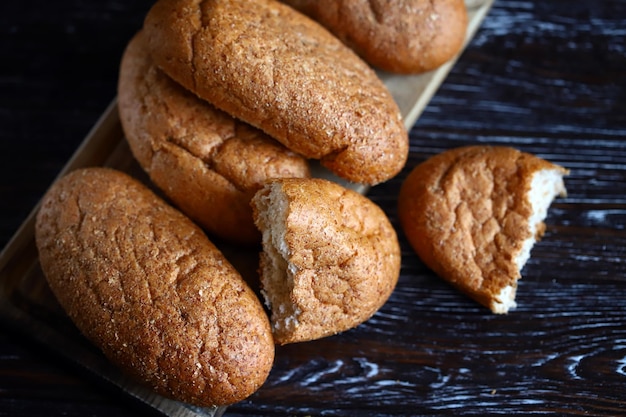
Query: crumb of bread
504	301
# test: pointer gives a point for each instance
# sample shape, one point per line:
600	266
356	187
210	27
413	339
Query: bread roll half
473	214
330	257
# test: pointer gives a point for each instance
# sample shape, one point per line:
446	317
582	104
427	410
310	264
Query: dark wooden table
547	77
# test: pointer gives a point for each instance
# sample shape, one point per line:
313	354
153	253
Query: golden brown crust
466	212
206	162
401	36
143	283
330	257
265	63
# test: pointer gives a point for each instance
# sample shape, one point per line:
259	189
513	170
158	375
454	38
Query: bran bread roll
330	257
267	64
208	163
472	214
399	36
146	286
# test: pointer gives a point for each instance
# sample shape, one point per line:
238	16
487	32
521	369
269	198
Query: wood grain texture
546	77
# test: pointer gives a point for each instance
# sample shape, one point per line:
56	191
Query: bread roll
472	214
330	257
400	36
206	162
146	286
265	63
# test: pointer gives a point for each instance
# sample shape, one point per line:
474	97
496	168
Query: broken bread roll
267	64
473	214
330	257
399	36
145	285
205	161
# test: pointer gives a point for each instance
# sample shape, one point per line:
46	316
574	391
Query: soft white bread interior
545	186
277	272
